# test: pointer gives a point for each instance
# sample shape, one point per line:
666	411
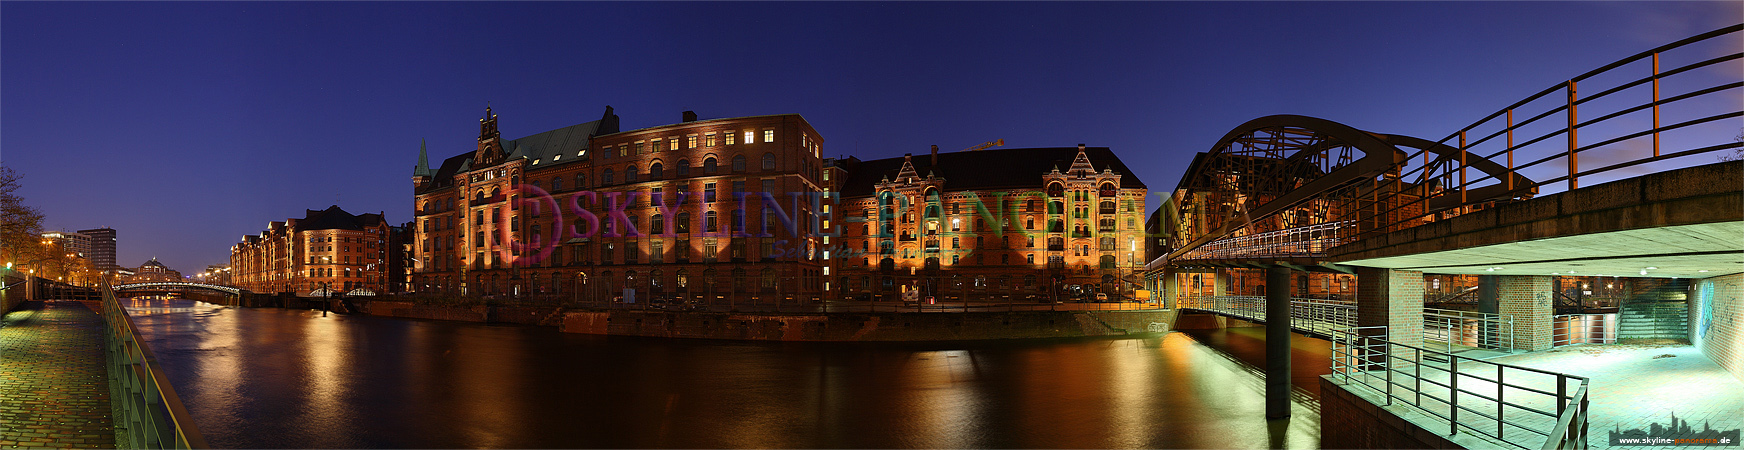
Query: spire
423	169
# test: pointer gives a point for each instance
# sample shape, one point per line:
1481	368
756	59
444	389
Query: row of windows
689	142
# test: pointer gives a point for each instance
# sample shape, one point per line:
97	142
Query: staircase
1658	315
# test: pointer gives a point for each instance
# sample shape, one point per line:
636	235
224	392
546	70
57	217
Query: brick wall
1391	298
1527	298
1715	314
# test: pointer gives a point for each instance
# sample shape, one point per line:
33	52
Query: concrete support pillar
1277	342
1487	294
1391	298
1527	298
1221	288
1171	288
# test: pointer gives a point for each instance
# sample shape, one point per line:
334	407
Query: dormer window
555	157
535	162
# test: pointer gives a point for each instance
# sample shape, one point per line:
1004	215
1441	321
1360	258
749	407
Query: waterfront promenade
54	390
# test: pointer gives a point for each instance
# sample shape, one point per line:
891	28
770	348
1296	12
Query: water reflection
269	378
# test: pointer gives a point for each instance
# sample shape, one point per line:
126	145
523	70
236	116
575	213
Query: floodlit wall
1715	314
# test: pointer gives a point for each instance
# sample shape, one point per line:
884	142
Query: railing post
1501	405
1573	139
1453	394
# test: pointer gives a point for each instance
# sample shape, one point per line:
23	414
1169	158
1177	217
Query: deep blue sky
187	125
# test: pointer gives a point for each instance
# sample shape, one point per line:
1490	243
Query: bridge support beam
1527	298
1391	298
1277	342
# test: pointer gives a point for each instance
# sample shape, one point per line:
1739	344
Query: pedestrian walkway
1637	386
54	389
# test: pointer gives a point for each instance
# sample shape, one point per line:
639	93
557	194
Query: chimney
935	155
690	116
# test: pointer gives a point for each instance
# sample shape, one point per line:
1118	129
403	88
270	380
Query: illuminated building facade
154	271
326	249
997	224
672	211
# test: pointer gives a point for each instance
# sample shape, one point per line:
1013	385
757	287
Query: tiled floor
1635	386
54	390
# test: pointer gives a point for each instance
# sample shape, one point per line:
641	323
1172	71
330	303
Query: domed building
154	271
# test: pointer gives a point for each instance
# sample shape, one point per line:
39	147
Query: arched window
496	192
425	208
683	280
738	279
581	181
630	174
606	176
683	222
1108	190
708	165
683	167
768	279
479	197
556	184
708	222
738	163
1056	190
654	277
656	171
768	162
657	224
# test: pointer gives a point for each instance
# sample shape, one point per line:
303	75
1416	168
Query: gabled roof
568	141
334	218
1010	168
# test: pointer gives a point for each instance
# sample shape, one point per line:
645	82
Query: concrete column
1527	298
1221	280
1487	295
1391	298
1171	287
1277	342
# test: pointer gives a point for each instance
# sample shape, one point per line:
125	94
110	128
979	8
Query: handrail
1478	398
152	413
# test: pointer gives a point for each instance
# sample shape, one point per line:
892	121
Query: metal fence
1314	316
1468	329
152	415
1507	403
1570	329
1308	241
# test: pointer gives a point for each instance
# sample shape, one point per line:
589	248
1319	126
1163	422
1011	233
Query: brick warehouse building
997	224
326	248
706	242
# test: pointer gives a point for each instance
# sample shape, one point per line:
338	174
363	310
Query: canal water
274	378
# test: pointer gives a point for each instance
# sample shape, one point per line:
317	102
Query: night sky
188	125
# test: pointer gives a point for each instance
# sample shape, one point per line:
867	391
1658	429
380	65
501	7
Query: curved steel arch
225	289
1273	164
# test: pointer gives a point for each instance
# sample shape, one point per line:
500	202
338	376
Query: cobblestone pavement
54	389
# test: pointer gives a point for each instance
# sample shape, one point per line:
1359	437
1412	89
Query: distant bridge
179	284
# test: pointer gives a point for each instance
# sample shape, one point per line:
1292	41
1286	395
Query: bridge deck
56	389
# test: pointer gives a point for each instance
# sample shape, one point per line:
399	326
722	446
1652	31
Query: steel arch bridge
180	284
1286	188
1310	183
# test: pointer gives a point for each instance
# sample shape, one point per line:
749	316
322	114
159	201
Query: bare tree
1737	152
20	225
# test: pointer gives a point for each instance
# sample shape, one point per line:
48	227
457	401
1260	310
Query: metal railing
1512	404
1570	329
1612	115
1308	241
1468	329
1310	315
152	415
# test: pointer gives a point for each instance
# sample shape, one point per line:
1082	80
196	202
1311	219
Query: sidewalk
54	390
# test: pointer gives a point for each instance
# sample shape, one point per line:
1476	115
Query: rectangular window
657	251
709	247
683	249
738	186
732	137
750	137
641	150
768	136
708	192
690	141
632	252
659	145
769	186
709	139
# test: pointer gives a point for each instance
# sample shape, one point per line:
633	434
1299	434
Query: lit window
709	139
556	157
535	162
690	141
768	136
750	137
732	138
